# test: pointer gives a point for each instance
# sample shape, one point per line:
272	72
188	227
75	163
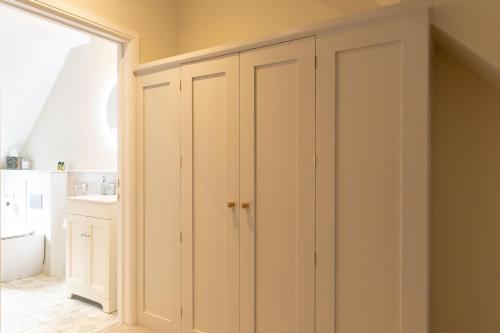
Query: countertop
97	198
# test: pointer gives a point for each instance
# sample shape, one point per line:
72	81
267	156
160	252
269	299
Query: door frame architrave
128	60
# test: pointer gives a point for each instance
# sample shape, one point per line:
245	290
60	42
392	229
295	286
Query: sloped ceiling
33	53
470	29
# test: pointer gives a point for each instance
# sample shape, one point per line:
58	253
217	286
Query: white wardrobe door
278	183
210	248
372	178
159	201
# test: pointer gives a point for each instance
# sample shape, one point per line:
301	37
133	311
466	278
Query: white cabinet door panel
159	201
372	178
209	181
76	250
98	250
278	182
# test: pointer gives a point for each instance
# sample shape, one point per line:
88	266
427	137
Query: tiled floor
126	329
39	304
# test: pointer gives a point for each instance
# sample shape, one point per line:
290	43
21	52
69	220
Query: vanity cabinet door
76	248
98	240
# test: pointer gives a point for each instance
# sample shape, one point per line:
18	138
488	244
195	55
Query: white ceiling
33	53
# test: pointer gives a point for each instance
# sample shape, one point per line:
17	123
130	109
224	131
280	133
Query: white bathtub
21	255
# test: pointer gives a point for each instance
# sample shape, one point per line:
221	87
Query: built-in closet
283	185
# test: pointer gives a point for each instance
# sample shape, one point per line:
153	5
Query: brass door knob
245	205
231	204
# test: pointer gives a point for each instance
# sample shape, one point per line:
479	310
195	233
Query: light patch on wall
386	2
112	116
348	7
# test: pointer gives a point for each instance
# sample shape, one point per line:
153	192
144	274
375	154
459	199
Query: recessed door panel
76	250
368	173
210	182
209	224
277	180
98	255
159	201
371	129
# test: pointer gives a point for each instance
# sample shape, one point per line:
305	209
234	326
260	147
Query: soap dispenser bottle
103	185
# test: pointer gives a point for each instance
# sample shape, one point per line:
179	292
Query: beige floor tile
19	325
126	329
41	329
38	304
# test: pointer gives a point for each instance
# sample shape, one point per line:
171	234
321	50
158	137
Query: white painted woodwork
210	248
333	163
372	153
91	252
76	252
278	180
158	233
81	206
98	256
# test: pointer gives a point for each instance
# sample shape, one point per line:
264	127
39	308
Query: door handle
231	204
245	205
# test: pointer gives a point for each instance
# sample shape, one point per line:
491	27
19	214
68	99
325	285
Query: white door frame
129	42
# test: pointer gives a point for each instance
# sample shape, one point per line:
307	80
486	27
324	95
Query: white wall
78	122
93	180
33	53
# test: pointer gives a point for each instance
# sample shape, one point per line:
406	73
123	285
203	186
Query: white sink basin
99	198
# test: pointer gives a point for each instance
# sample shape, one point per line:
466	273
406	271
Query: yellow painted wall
474	23
170	27
465	200
154	20
206	23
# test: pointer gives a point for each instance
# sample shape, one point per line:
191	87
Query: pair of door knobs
244	205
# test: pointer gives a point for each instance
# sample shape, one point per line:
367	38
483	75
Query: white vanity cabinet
91	250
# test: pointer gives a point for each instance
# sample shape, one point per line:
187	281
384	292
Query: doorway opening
65	108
